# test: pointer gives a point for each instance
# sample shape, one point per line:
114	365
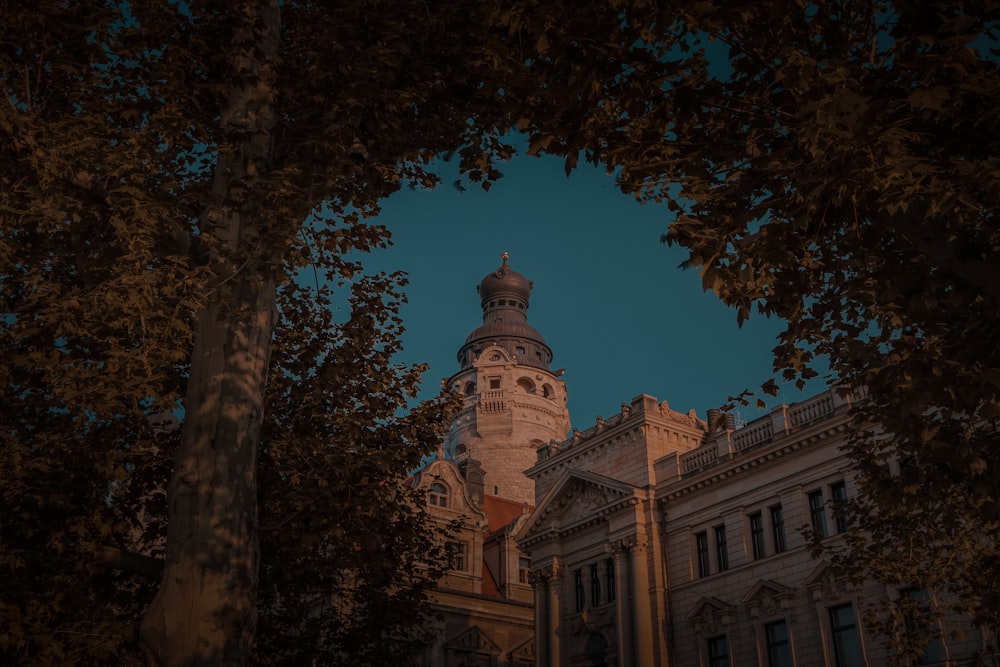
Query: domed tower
513	402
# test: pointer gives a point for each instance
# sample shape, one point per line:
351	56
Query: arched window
438	495
470	388
547	391
526	385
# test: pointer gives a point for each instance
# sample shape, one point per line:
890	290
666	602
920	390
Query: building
652	538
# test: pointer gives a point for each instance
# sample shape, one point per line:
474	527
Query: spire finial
504	256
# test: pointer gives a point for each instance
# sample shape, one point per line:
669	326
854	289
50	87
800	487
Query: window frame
772	645
756	523
837	632
458	554
609	576
595	586
437	495
838	494
778	536
721	548
718	651
578	589
701	554
817	512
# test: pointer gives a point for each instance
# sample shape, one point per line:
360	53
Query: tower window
494	383
438	495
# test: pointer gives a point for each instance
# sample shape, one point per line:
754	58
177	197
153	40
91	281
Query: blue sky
608	297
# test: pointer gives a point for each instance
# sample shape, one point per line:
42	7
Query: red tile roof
501	511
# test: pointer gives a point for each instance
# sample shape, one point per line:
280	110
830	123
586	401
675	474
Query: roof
502	511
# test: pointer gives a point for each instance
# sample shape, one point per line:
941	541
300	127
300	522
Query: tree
167	170
162	164
333	474
832	164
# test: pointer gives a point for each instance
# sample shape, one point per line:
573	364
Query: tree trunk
204	612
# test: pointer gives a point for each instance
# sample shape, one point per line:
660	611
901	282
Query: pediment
494	354
768	598
576	498
473	640
825	584
710	614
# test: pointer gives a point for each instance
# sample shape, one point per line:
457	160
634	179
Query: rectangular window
778	529
757	535
779	649
933	649
609	578
494	383
718	652
595	586
458	559
817	513
523	570
701	547
846	640
838	491
721	551
578	588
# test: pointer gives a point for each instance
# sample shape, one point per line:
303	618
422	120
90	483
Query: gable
578	499
445	475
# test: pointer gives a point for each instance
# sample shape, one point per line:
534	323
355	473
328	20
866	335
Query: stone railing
753	434
723	444
492	401
811	409
699	458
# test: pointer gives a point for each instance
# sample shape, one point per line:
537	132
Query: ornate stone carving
825	585
585	504
711	615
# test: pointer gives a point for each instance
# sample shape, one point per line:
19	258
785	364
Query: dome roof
500	328
505	294
504	282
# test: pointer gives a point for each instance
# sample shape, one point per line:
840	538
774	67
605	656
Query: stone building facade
652	538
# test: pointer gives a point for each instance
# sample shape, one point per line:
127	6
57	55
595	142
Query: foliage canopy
834	165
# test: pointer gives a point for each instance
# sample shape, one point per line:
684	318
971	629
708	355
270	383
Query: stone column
539	584
555	581
641	611
619	555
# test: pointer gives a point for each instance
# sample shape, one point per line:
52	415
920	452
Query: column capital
627	545
551	571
